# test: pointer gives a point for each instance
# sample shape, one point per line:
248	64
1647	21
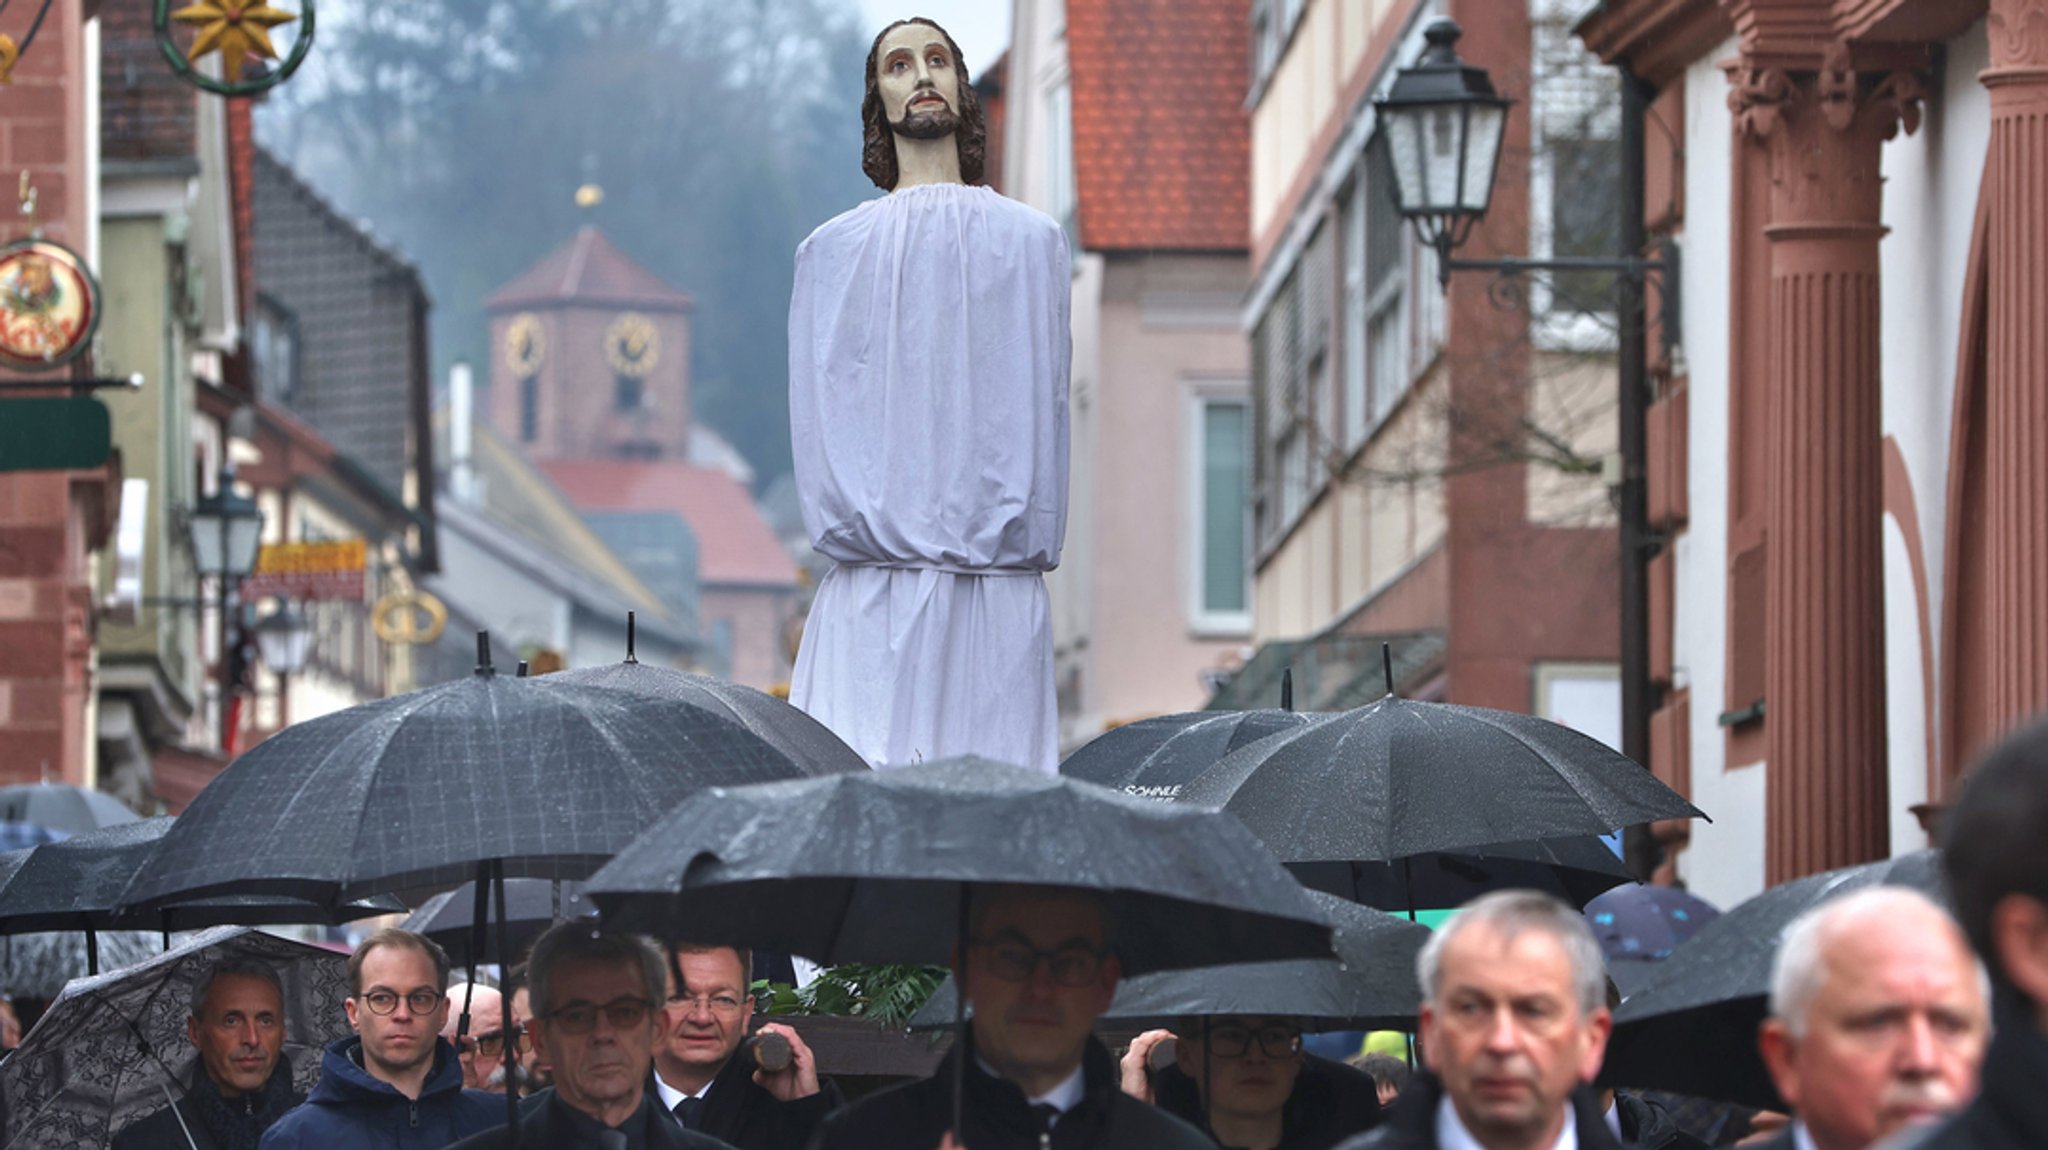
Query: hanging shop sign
239	31
49	305
409	618
331	571
45	434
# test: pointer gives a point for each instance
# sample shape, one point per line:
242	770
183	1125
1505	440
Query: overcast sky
980	27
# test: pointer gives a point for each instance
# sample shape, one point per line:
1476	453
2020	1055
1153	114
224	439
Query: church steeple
592	355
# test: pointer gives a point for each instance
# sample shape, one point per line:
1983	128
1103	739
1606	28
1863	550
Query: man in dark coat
239	1085
395	1084
597	1017
1514	1025
1268	1093
1996	856
1038	970
704	1078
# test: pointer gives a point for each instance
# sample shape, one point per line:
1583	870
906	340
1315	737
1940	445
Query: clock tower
591	357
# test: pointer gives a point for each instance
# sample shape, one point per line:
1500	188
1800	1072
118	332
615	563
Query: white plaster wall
1930	201
1725	863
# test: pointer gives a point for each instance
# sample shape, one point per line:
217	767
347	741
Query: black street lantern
226	531
284	638
1443	123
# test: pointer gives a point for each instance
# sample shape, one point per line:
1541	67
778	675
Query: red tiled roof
591	269
734	544
1162	141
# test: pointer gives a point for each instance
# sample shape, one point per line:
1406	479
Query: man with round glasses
597	1017
396	1084
1038	969
707	1083
1247	1080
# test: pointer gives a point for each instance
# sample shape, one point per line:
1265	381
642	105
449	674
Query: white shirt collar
1801	1140
1452	1135
670	1096
1062	1098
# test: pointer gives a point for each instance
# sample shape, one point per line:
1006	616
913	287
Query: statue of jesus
928	360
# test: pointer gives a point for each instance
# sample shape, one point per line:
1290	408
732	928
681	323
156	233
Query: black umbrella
798	737
415	791
38	965
485	778
878	867
1153	758
1575	869
73	810
531	906
77	884
1398	780
1369	985
872	867
1692	1029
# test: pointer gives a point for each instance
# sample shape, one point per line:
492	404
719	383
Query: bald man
1879	1016
483	1052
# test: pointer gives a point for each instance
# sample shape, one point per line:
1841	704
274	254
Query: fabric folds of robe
929	359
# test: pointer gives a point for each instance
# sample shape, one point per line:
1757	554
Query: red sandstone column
2015	409
1824	686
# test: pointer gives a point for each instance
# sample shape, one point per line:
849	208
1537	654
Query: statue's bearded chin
926	123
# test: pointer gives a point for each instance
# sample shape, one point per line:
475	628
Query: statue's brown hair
878	144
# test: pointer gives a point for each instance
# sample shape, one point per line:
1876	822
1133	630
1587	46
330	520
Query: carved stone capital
2018	30
1763	97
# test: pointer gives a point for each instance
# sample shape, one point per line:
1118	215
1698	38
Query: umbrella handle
511	1047
960	1021
182	1128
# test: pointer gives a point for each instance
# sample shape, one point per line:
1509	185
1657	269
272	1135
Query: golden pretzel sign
409	618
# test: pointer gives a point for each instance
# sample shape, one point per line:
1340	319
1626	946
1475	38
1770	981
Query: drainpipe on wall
1637	544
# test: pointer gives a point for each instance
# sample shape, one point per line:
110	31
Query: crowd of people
1895	1023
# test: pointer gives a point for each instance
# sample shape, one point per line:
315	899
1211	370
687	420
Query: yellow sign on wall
331	570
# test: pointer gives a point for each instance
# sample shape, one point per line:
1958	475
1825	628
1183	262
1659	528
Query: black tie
689	1111
1047	1115
612	1140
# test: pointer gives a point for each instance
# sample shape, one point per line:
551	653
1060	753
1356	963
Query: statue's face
918	80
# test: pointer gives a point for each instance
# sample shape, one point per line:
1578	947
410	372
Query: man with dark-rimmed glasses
1038	969
396	1083
1248	1080
597	1001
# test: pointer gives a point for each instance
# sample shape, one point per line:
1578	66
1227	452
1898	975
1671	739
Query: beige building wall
1364	530
1304	96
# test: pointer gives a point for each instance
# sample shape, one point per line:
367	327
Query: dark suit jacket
1411	1124
550	1126
742	1112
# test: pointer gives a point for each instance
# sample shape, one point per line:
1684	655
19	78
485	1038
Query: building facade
1428	461
1847	457
1126	122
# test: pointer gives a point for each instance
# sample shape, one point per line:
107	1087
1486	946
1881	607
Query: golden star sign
237	29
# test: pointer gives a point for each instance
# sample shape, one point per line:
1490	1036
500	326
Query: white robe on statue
928	360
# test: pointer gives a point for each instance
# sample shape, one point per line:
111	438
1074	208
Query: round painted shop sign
49	305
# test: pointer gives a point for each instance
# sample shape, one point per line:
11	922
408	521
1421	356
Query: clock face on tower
632	345
525	346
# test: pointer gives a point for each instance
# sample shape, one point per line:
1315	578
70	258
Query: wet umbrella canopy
60	806
798	737
1692	1028
77	884
871	867
1153	758
1369	985
109	1046
38	965
1576	869
1400	779
531	906
417	790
